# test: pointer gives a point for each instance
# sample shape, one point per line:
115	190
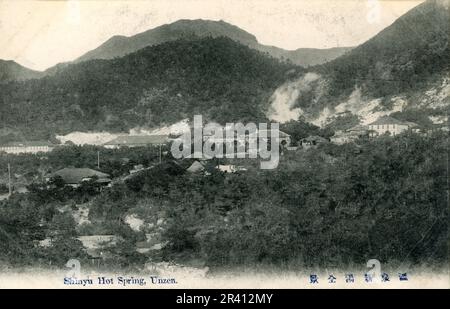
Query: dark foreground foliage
330	206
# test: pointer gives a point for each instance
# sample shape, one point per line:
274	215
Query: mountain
305	57
215	77
12	71
400	58
119	46
399	67
403	67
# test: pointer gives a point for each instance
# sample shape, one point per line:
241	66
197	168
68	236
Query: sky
40	34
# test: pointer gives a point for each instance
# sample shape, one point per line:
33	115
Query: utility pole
98	159
159	153
9	180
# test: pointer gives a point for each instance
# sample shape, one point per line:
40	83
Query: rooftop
390	120
358	127
196	167
314	138
27	144
77	175
280	133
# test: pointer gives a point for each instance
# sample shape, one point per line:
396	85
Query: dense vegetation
215	77
330	206
405	58
28	168
384	198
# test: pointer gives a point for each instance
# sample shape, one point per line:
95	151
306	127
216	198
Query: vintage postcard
193	144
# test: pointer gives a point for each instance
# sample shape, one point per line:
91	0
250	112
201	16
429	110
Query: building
341	137
349	135
231	169
27	147
359	130
196	167
74	177
389	125
430	129
137	168
137	141
284	139
312	141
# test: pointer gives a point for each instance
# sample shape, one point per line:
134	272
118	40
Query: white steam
284	98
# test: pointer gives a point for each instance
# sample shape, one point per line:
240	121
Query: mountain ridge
12	71
229	81
119	45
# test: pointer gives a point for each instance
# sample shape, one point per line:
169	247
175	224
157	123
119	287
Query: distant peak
8	61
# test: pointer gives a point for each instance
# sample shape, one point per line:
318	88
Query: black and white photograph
224	144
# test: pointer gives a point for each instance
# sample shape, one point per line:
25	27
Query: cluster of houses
130	141
382	126
34	147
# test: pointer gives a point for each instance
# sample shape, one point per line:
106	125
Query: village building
444	127
340	137
430	129
196	167
359	130
230	168
389	125
292	148
284	139
32	147
74	177
137	171
198	156
312	141
137	141
137	168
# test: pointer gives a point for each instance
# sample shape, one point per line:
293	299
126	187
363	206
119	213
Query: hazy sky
39	34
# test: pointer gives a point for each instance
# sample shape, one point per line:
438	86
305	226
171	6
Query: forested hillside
215	77
407	59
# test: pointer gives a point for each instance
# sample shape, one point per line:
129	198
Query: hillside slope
404	56
215	77
400	68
